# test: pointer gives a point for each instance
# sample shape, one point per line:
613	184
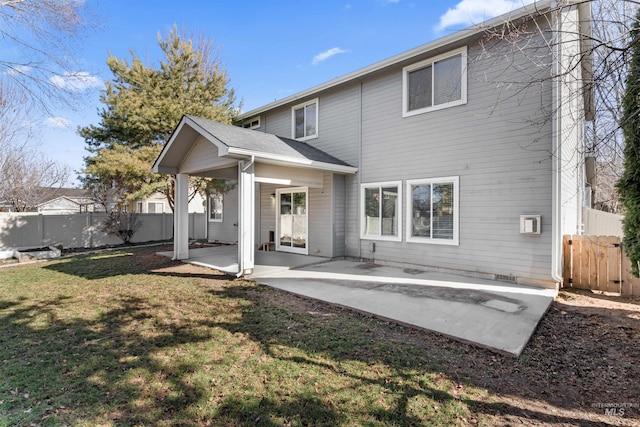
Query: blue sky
271	49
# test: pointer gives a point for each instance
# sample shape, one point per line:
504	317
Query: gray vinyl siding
227	230
352	229
320	216
339	128
339	215
498	144
267	209
338	123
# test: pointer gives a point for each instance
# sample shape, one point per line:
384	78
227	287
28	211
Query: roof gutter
290	161
248	165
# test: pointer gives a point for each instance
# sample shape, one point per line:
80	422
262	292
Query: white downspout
253	159
556	161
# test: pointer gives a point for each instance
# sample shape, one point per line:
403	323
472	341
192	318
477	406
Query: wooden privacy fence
598	263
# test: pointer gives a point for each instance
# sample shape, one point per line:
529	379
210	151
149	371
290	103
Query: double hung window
381	217
155	207
432	211
305	120
436	83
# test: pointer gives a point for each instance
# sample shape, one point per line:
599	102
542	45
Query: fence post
164	226
90	222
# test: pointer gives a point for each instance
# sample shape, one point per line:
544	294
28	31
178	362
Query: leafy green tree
629	184
143	105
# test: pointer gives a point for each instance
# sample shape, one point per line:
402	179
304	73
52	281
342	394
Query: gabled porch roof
233	142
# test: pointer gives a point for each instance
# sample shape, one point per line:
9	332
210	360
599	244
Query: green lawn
131	338
128	338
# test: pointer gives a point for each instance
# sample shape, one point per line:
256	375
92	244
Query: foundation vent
506	278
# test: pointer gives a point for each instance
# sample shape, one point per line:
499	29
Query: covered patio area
284	193
225	258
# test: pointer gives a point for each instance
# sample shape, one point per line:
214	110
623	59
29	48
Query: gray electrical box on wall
529	224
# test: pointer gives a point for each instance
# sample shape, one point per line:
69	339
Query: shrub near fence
21	231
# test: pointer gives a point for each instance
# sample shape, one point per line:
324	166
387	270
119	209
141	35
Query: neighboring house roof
73	192
534	9
76	195
233	141
75	200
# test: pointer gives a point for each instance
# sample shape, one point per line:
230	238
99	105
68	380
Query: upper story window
305	120
436	83
253	123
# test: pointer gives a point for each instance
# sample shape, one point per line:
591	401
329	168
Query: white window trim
251	120
405	83
364	186
156	203
456	211
293	119
291	249
210	210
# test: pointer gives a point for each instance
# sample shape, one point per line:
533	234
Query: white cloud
58	123
76	81
327	54
469	12
18	69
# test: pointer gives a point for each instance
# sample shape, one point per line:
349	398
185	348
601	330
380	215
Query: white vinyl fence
23	231
599	223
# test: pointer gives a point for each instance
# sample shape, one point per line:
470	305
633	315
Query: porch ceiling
198	146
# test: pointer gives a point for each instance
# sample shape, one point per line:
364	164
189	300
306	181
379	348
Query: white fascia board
535	7
156	164
290	161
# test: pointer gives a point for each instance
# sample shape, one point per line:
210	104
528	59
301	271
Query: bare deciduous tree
39	34
606	46
27	177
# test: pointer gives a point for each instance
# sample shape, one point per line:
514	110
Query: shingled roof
237	142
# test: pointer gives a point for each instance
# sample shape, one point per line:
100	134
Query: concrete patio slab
499	316
496	315
225	258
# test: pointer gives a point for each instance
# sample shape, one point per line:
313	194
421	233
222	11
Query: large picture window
305	120
436	83
432	211
215	207
381	217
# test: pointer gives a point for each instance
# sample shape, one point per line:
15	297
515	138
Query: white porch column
181	217
246	214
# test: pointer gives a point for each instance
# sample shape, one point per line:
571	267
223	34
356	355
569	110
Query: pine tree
143	105
629	184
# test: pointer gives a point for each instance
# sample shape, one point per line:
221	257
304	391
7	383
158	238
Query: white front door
292	220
